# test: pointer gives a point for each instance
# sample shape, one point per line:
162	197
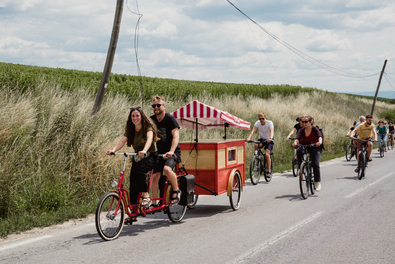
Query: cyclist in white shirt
266	132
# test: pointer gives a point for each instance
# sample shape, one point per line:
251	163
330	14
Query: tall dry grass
52	161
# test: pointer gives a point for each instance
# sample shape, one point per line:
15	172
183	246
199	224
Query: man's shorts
171	162
267	145
359	144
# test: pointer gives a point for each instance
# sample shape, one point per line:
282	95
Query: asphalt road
348	221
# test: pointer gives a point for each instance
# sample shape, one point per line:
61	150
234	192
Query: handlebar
306	145
133	154
259	142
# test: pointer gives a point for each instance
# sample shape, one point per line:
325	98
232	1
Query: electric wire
303	55
386	77
136	47
271	64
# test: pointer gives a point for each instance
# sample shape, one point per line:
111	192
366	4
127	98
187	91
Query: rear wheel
349	152
235	194
303	180
109	219
255	170
193	204
174	212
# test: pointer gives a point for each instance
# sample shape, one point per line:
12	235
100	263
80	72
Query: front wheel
255	170
174	212
312	181
235	190
304	180
349	152
110	215
361	165
295	169
382	150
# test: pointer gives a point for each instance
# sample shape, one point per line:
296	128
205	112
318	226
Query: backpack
322	133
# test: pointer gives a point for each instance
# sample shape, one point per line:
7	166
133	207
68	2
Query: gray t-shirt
264	130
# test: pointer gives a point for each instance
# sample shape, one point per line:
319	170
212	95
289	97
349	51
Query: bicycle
259	165
112	207
362	164
351	150
295	167
389	142
382	148
306	175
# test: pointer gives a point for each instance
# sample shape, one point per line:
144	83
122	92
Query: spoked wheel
389	145
382	149
268	178
109	219
349	152
174	212
361	165
193	204
235	187
312	182
255	170
304	181
295	169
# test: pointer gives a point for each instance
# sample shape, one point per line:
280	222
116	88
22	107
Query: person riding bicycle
168	145
351	128
382	131
297	127
140	133
310	134
266	133
365	131
391	131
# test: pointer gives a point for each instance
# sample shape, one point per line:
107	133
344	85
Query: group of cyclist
150	136
307	133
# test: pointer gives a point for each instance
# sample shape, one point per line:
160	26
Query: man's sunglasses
261	118
156	105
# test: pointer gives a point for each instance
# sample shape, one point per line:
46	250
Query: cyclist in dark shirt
309	134
297	127
168	135
391	131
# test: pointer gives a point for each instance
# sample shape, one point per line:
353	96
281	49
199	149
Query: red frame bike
112	207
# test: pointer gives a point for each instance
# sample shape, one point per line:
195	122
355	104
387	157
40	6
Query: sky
210	40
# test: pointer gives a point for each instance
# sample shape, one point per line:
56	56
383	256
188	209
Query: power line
136	47
303	55
385	76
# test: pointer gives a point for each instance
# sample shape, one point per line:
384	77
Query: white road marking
370	184
24	242
246	256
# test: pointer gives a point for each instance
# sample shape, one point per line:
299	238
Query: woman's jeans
383	139
315	156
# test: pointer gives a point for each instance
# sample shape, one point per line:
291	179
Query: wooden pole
110	57
378	86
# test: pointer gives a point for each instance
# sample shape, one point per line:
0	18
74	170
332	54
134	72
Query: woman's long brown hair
146	122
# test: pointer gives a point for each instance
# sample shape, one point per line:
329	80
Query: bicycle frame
135	209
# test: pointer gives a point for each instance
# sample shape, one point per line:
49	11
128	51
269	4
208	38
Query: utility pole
378	86
110	58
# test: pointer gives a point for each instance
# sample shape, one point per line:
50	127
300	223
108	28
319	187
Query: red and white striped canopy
206	117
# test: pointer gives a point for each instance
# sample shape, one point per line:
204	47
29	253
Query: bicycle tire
389	142
175	212
268	178
255	170
349	152
381	150
304	180
235	194
361	165
295	169
108	224
193	204
312	181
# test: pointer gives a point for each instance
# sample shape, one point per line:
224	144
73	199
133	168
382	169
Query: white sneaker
317	186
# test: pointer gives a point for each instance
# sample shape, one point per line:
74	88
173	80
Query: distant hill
383	94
